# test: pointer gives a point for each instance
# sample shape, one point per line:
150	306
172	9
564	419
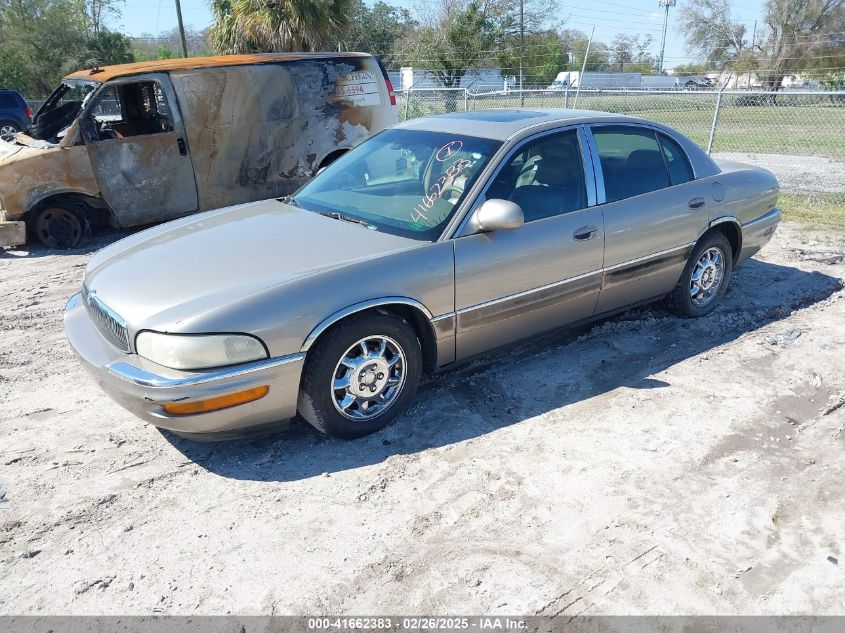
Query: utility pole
181	29
666	4
521	39
753	40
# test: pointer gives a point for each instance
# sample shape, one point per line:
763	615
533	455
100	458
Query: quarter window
545	178
631	161
676	160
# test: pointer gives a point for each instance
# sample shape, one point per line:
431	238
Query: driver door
136	144
512	284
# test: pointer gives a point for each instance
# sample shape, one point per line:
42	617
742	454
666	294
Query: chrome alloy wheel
8	133
368	378
707	276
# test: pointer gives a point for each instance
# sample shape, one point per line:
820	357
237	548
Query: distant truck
575	79
626	81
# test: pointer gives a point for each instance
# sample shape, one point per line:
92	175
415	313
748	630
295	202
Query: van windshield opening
60	110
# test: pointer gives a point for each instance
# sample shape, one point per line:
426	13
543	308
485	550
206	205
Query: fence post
566	97
715	121
465	99
407	101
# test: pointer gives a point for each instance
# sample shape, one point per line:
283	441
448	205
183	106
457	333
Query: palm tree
258	26
108	48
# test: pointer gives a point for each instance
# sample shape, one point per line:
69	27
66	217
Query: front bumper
143	387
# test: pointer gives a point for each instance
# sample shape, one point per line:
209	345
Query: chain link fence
800	136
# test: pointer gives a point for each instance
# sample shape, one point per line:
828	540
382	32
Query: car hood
166	277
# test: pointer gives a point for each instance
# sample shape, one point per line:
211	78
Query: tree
98	11
711	32
463	39
794	34
255	26
168	44
575	42
108	48
376	30
544	57
50	35
630	53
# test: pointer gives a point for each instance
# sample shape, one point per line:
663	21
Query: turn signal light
220	402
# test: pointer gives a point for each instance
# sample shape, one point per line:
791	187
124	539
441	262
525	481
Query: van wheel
62	226
360	375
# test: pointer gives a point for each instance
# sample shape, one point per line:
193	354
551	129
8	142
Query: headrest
645	159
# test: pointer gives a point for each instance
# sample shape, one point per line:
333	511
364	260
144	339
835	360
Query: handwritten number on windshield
418	213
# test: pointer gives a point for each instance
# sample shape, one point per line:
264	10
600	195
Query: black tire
60	225
681	299
322	366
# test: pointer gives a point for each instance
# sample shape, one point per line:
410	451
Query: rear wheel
8	130
705	278
360	375
61	226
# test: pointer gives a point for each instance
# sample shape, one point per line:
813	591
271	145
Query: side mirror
499	215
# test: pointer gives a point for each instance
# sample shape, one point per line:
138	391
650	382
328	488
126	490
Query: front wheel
360	375
705	278
62	226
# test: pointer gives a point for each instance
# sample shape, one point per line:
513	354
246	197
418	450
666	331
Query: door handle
585	233
183	149
696	203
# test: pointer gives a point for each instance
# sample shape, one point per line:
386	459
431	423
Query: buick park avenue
431	242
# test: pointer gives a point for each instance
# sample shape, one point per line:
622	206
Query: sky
632	17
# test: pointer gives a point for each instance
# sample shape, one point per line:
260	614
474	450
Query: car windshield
60	109
405	182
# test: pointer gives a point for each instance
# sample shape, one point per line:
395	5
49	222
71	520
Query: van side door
137	146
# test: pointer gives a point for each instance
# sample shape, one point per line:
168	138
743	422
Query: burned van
140	143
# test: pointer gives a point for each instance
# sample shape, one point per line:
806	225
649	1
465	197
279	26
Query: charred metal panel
144	178
33	174
261	131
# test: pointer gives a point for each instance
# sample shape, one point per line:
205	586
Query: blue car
15	115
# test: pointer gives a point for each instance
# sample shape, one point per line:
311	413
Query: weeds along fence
769	129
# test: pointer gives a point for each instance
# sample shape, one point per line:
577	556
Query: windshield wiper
334	215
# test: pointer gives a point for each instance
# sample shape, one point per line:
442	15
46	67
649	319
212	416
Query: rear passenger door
654	210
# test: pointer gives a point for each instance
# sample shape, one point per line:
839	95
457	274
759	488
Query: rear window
9	100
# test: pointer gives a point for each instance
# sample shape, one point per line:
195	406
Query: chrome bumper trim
136	375
766	216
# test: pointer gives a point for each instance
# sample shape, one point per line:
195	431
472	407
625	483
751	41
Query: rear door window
631	160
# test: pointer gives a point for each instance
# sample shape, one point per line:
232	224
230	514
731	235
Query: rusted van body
140	143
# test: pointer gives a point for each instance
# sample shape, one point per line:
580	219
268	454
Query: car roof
105	73
502	124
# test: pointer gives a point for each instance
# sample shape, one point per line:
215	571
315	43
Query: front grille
111	326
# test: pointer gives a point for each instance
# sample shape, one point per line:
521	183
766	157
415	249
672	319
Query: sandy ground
647	464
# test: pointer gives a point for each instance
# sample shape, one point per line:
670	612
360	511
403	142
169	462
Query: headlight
199	351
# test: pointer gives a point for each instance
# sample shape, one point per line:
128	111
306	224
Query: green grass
794	124
826	210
